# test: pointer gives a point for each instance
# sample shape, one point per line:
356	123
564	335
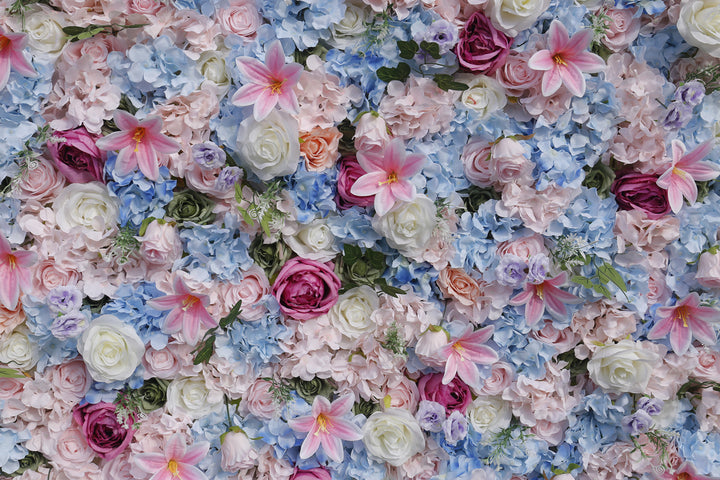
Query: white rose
623	367
408	226
191	397
484	94
111	349
18	351
270	148
351	314
514	16
489	414
212	67
313	241
89	206
44	28
699	25
352	27
393	436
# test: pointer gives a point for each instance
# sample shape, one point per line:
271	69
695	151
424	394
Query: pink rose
623	28
313	474
242	19
510	163
49	274
103	433
161	363
349	170
563	340
429	344
71	381
161	244
708	271
305	288
482	48
524	247
252	288
371	134
454	396
636	191
95	48
320	148
41	183
259	401
477	162
515	76
11	387
708	365
403	393
71	449
77	157
237	451
501	376
145	7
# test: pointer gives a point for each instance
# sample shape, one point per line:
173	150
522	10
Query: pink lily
326	427
387	176
270	84
682	321
565	60
679	180
464	352
11	56
177	462
14	273
187	312
684	472
139	143
546	294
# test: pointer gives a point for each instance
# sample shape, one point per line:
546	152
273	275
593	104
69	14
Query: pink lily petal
291	73
191	328
147	161
150	462
706	314
558	36
333	447
680	338
163	475
370	161
522	297
320	405
275	57
195	453
165	303
573	79
9	288
346	430
23	278
451	368
675	198
481	335
287	100
702	331
541	60
189	472
554	305
302	424
310	445
254	70
342	405
5	246
247	94
589	62
163	144
412	166
685	184
664	180
24	258
21	65
578	42
534	310
384	201
264	104
695	156
116	141
660	329
551	82
403	190
701	171
468	373
4	72
124	121
175	447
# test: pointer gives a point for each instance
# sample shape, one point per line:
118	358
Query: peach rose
320	148
455	283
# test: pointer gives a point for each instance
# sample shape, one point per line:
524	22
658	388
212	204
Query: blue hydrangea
357	464
661	49
52	351
520	456
209	429
595	422
9	211
139	197
353	227
107	392
313	193
130	305
517	347
157	69
701	449
443	173
651	7
305	22
419	276
11	449
214	251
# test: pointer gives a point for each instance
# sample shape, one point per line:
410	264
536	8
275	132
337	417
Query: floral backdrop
327	239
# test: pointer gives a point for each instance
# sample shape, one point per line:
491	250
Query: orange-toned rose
320	148
458	285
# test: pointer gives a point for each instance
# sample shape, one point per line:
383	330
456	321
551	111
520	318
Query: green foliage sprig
358	268
206	347
264	208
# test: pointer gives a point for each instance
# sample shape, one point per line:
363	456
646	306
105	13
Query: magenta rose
349	170
638	191
305	288
104	434
454	396
481	47
312	474
77	157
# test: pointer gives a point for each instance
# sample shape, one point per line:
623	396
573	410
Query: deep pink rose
104	434
312	474
454	396
305	288
349	170
639	191
481	47
77	157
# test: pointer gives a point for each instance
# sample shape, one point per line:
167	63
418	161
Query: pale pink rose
259	401
40	183
118	468
477	162
417	108
70	381
241	19
96	48
371	134
422	466
658	290
634	228
524	247
9	319
708	366
403	393
271	468
501	376
144	7
515	75
623	28
50	274
429	344
237	452
82	12
536	209
252	288
550	108
551	432
563	340
510	163
72	449
11	387
161	363
708	270
161	244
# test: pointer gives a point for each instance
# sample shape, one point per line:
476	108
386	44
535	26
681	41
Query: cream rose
622	367
408	226
485	95
313	241
89	206
348	31
270	148
699	25
489	414
212	67
111	349
393	436
18	351
191	397
44	28
514	16
351	314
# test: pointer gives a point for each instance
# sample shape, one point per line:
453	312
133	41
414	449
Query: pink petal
394	155
180	288
369	184
451	368
291	73
191	328
706	314
534	310
522	297
4	71
333	447
152	125
558	281
403	190
701	171
541	60
202	314
116	141
302	424
558	36
686	185
5	246
345	430
702	331
23	278
168	302
150	462
164	474
9	288
481	354
573	79
287	100
589	62
275	58
310	445
321	405
254	70
124	121
247	94
468	373
678	150
162	143
175	447
147	160
174	321
675	198
696	155
553	304
188	472
384	201
413	164
481	335
195	453
664	180
551	81
21	65
264	104
24	258
660	329
371	162
342	405
680	338
579	42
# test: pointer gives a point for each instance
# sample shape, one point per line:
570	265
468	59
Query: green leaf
10	373
446	82
232	315
607	273
204	351
389	289
144	225
580	280
408	49
572	466
432	49
602	290
388	74
351	253
375	259
73	30
265	224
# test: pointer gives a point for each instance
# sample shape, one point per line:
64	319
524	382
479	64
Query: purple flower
455	428
652	406
208	155
69	325
430	416
227	178
442	32
64	299
511	271
538	266
638	422
678	114
691	93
